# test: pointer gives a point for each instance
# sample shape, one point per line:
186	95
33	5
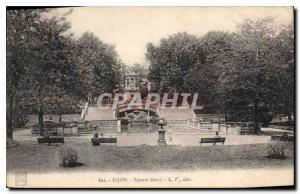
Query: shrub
11	143
276	150
130	116
68	157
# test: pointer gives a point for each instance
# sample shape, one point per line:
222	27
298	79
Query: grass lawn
31	157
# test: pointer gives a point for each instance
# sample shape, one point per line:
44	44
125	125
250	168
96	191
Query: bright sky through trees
131	28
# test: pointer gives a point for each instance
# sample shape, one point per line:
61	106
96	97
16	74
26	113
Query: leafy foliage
276	150
98	65
68	157
48	70
248	75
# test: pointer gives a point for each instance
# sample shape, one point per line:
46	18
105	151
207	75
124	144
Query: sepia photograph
150	97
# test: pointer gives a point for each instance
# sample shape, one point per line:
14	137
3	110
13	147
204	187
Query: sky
131	28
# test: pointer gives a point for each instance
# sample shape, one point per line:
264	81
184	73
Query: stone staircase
95	113
104	118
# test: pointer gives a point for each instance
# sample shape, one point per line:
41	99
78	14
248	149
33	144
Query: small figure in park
95	132
217	134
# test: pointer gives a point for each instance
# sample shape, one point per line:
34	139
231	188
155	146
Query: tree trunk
59	113
290	118
41	113
9	130
256	120
41	120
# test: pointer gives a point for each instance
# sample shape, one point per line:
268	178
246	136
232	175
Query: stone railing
200	124
176	122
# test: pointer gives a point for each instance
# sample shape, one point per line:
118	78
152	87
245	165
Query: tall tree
249	81
47	60
21	24
40	55
171	61
183	63
64	92
284	92
98	65
204	77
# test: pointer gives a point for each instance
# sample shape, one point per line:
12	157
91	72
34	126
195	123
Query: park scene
184	99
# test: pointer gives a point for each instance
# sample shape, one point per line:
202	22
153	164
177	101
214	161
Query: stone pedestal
161	137
161	132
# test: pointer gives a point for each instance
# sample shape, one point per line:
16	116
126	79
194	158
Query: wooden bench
213	140
49	127
282	138
50	140
97	141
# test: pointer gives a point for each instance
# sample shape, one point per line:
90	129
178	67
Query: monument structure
94	114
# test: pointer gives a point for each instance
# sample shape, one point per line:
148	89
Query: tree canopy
50	71
248	74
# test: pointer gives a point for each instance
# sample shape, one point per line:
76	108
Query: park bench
50	140
282	138
97	141
213	140
49	127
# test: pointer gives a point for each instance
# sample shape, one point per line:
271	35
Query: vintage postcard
150	97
